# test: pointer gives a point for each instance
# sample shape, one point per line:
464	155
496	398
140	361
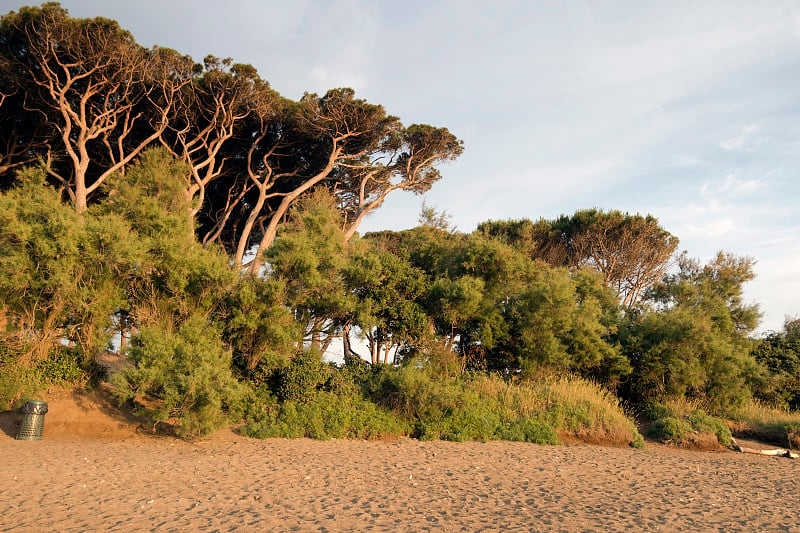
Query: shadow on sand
9	422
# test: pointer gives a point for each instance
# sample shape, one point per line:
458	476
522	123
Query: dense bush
439	409
258	326
584	410
678	422
779	353
61	277
316	400
19	382
181	375
690	341
482	305
302	378
63	367
324	415
54	279
505	312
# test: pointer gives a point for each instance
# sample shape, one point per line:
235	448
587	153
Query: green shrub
18	381
655	411
464	423
676	421
349	379
305	375
182	376
316	400
439	409
637	441
703	423
16	384
258	327
573	406
530	430
59	275
357	401
62	367
324	415
670	429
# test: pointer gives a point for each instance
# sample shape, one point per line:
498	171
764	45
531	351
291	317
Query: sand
94	471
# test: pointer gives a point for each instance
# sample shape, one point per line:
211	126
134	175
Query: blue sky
685	110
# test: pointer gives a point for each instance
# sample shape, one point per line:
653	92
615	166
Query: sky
684	110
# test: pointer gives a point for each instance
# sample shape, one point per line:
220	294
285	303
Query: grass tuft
776	426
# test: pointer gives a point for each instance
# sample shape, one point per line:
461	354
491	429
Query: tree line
214	222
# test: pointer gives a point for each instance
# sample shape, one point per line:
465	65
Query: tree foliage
311	256
387	311
779	353
693	340
503	311
176	275
258	326
631	252
60	274
101	97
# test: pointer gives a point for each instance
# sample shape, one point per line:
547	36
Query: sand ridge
130	481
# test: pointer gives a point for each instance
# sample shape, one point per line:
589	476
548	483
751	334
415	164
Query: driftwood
778	452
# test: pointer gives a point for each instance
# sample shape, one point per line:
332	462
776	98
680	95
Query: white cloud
539	188
738	140
712	228
580	14
720	212
346	59
746	140
701	220
729	187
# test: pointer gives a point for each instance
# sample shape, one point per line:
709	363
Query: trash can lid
35	407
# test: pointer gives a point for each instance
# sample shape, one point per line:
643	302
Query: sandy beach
94	471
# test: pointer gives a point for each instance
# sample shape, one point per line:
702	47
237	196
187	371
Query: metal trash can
32	420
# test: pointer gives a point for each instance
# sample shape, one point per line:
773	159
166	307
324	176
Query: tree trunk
349	354
315	333
241	249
